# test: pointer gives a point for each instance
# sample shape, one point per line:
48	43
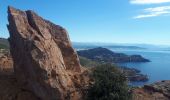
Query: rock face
44	61
6	64
161	87
10	90
155	91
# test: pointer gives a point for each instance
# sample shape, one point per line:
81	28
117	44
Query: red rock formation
9	89
6	64
61	38
44	61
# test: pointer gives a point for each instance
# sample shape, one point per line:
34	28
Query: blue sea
158	69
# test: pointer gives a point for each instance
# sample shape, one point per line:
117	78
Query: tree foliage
110	84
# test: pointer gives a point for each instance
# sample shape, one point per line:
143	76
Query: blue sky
113	21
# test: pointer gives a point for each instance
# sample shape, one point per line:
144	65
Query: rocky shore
134	75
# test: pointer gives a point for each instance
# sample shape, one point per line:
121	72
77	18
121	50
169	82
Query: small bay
158	69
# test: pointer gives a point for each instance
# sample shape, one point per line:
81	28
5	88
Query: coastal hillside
132	74
107	56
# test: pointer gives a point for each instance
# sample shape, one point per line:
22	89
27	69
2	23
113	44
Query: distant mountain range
78	45
121	46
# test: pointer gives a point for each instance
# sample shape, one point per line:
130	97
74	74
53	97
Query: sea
157	70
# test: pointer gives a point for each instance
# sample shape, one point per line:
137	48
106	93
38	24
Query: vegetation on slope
87	62
2	46
109	84
132	74
4	43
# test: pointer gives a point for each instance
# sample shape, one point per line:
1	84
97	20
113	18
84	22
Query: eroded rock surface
10	90
44	61
156	91
6	64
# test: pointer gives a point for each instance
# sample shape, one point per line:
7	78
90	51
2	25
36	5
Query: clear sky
114	21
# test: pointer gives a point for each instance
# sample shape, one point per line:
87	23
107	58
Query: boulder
44	61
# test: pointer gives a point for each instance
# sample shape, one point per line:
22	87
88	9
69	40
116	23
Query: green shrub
109	84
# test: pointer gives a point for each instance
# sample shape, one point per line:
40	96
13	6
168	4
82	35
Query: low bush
110	84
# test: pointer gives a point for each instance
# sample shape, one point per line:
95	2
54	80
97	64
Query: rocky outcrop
44	61
6	63
133	75
155	91
161	87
